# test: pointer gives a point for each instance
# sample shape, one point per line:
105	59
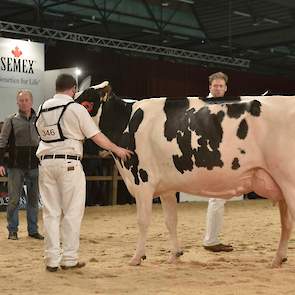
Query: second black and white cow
223	149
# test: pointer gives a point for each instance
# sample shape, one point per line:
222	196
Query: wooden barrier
114	178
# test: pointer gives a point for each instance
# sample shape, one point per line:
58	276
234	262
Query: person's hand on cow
122	153
2	171
101	140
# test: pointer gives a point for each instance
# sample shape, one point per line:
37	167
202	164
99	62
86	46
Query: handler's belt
57	156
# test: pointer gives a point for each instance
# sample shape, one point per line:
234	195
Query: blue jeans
16	179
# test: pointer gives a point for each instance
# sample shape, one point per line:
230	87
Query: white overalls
214	220
61	176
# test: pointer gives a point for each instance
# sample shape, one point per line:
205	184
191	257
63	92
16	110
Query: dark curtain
136	77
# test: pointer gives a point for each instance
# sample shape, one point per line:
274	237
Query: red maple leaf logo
16	52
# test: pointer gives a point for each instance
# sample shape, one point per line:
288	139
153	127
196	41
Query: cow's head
109	111
92	97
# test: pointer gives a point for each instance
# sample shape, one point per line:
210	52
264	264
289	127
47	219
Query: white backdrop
21	67
193	198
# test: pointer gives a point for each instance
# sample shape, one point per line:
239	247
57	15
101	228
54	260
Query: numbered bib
50	133
48	123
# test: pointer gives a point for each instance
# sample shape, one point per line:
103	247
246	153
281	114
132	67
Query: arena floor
108	240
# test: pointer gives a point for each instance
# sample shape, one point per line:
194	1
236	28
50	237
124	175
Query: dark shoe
219	248
51	268
77	265
12	236
36	236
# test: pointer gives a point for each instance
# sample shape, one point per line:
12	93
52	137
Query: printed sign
21	63
4	197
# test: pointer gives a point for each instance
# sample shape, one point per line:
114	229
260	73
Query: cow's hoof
277	262
135	261
174	258
179	253
285	259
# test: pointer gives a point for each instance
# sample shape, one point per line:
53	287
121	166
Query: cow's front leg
169	207
286	229
144	213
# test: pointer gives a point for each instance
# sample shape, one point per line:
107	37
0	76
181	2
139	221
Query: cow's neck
114	118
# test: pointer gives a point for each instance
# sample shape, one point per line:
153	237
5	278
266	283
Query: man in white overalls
63	125
215	211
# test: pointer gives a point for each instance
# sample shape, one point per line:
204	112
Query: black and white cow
219	149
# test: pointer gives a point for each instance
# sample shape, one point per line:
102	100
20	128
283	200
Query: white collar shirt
76	125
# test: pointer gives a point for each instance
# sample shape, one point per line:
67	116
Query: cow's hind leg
286	229
283	190
169	207
144	201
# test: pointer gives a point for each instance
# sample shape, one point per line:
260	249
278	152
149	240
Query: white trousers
62	187
214	221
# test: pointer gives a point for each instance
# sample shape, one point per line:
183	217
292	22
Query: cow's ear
105	92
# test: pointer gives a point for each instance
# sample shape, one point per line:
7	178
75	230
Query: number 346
48	132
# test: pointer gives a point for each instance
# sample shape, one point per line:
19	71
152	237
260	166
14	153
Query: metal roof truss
121	44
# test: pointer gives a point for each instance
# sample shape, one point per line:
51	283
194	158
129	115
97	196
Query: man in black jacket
19	134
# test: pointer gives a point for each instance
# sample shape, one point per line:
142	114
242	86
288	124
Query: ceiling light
237	12
252	51
280	50
271	20
257	23
150	32
92	21
78	72
187	1
181	37
54	14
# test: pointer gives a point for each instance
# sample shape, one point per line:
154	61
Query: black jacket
19	137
